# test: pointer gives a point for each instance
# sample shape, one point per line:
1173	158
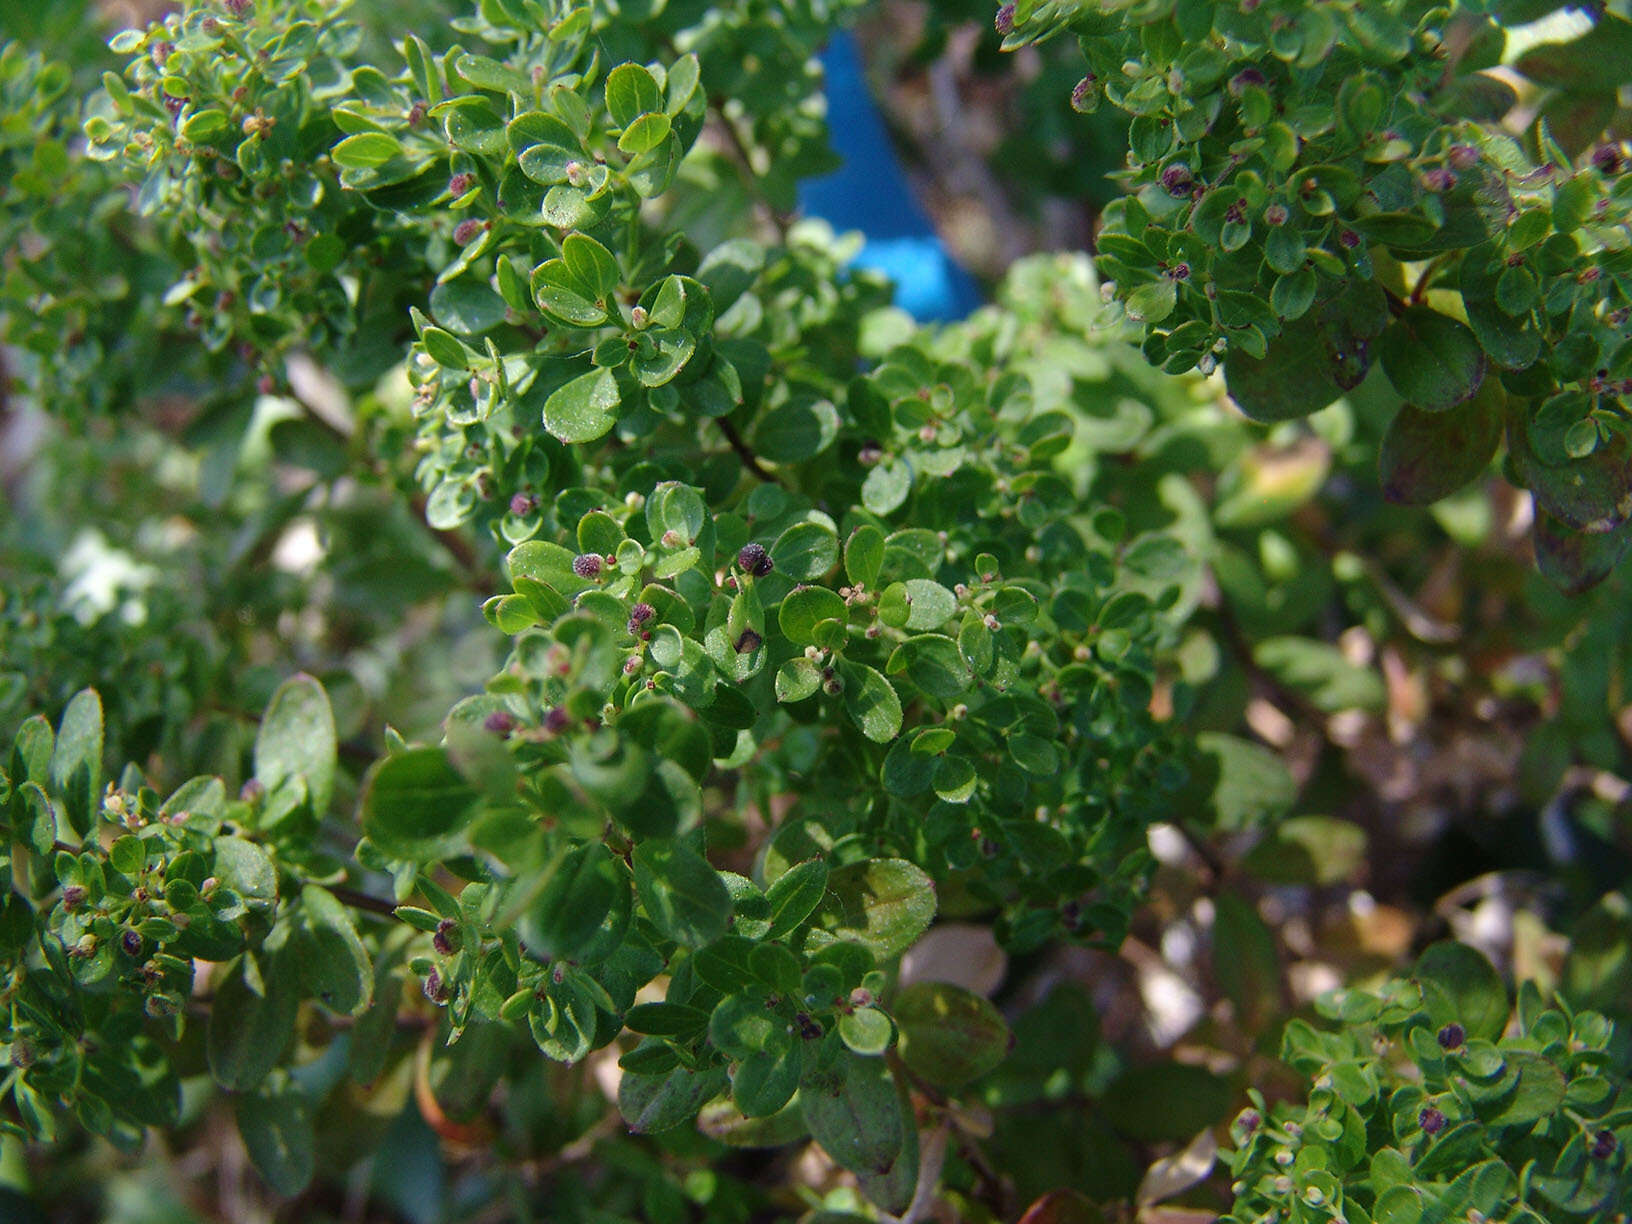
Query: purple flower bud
131	942
1244	79
1603	1145
639	615
870	454
1177	180
556	720
1349	239
1179	272
1462	156
522	504
1439	178
1276	213
587	566
467	230
73	896
252	791
237	7
435	991
1431	1121
499	722
755	560
1082	93
1451	1037
461	182
1607	159
1005	20
446	939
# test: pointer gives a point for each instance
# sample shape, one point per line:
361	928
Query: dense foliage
512	647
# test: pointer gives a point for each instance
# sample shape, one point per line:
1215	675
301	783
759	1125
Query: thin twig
745	452
931	1158
361	900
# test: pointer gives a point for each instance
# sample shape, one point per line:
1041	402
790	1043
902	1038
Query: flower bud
1005	20
638	316
1276	213
499	722
446	939
1603	1145
1451	1037
1439	178
1431	1120
1608	159
753	559
1177	180
1084	97
73	896
522	504
587	566
639	615
461	182
467	231
1462	156
130	942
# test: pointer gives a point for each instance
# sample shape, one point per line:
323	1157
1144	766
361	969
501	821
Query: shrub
804	625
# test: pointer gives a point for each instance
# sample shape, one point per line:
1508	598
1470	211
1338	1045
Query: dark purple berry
1603	1145
809	1029
587	566
1349	238
499	722
1451	1037
748	642
1607	159
1431	1121
1005	20
131	942
1179	272
755	560
556	720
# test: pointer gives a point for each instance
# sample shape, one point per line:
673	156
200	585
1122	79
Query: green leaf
1320	672
446	351
276	1128
416	805
1284	384
297	740
949	1035
1434	362
886	486
366	150
591	264
917	604
581	908
1429	455
76	759
653	1103
806	607
794	895
1459	985
683	895
806	551
864	555
882	904
858	1114
866	1031
1154	301
248	1032
871	701
1245	961
797	679
1600	59
645	133
1538	1094
631	91
565	297
335	968
585	408
765	1082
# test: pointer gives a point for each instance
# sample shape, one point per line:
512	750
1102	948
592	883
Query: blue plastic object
871	194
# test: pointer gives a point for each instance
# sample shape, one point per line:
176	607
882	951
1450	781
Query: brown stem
361	900
745	452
